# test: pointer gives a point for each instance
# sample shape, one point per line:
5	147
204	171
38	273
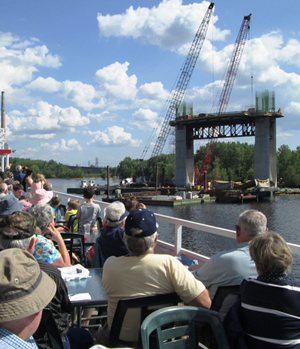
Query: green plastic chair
146	304
181	335
222	293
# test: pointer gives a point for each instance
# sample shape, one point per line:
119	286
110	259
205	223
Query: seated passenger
3	190
44	247
111	240
230	267
270	304
41	196
144	273
55	203
25	292
88	213
38	183
72	208
19	230
9	204
25	199
18	190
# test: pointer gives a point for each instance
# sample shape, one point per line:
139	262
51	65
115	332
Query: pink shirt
35	186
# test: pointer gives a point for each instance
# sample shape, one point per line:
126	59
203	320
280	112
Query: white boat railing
176	249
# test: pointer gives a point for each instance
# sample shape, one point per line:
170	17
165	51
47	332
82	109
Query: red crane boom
225	94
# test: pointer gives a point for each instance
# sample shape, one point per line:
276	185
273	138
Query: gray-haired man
144	273
231	267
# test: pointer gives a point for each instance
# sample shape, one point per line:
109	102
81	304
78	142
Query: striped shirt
10	340
271	313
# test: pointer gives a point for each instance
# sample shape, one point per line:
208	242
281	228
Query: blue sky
87	79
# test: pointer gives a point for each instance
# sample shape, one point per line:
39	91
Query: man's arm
202	300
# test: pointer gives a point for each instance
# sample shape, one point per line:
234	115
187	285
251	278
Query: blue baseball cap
9	204
143	219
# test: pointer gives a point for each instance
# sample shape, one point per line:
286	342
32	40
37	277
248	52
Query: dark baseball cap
18	226
143	219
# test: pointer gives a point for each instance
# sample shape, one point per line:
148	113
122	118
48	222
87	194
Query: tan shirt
132	277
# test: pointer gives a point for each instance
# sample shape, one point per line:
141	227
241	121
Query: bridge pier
265	149
262	125
184	168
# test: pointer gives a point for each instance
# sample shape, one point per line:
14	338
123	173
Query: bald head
3	188
250	223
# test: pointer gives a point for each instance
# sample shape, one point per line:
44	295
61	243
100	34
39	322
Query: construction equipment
177	95
225	95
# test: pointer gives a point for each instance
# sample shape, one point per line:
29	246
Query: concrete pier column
265	149
184	169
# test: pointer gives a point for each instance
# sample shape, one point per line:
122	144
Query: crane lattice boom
225	94
233	65
178	93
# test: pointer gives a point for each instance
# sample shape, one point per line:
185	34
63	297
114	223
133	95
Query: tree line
230	161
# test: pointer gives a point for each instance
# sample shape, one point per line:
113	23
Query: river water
282	212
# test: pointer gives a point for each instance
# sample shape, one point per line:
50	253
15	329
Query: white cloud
45	117
169	25
42	136
113	136
64	146
44	85
82	95
115	81
292	107
40	55
144	119
100	117
18	61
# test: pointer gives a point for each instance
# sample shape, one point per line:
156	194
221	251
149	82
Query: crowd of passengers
266	314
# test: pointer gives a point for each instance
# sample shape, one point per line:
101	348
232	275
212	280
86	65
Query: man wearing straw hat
25	292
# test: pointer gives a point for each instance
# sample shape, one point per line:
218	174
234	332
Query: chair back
99	224
52	329
71	222
75	244
63	210
182	332
221	295
144	303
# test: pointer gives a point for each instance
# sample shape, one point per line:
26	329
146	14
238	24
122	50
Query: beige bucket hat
25	289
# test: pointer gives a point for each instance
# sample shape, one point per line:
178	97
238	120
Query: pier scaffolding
259	122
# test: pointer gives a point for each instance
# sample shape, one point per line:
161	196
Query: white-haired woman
45	249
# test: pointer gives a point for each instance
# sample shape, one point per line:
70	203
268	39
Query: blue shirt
227	268
9	340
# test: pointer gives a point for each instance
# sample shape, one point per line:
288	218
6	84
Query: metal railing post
178	239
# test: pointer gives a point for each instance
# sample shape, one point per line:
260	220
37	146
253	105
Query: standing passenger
87	213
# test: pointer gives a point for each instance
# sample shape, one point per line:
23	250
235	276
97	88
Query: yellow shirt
150	274
67	217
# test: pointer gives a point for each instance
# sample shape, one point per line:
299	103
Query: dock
164	200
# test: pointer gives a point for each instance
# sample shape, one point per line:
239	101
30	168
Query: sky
88	79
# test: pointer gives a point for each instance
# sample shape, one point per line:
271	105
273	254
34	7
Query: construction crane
179	92
225	95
